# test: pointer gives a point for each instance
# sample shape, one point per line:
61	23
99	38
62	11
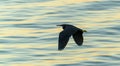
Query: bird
68	31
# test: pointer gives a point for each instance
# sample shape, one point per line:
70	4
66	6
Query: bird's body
68	31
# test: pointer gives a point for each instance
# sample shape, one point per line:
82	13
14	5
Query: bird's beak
84	30
58	25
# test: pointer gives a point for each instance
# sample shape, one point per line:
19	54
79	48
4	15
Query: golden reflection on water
16	31
20	46
23	64
25	32
6	56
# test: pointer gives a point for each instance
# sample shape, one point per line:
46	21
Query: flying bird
68	31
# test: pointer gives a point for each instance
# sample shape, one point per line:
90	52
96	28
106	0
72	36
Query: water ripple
101	5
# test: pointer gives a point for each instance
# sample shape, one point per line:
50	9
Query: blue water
29	35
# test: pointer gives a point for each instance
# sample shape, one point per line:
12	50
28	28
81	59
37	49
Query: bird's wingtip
60	49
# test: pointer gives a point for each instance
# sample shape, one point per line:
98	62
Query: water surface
29	35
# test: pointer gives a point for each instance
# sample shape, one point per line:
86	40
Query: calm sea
29	35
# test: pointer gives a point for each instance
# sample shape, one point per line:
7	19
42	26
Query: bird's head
64	25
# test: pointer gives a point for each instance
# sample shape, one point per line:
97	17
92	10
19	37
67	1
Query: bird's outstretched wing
63	39
78	38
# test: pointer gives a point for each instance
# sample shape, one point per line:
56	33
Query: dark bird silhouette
68	31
